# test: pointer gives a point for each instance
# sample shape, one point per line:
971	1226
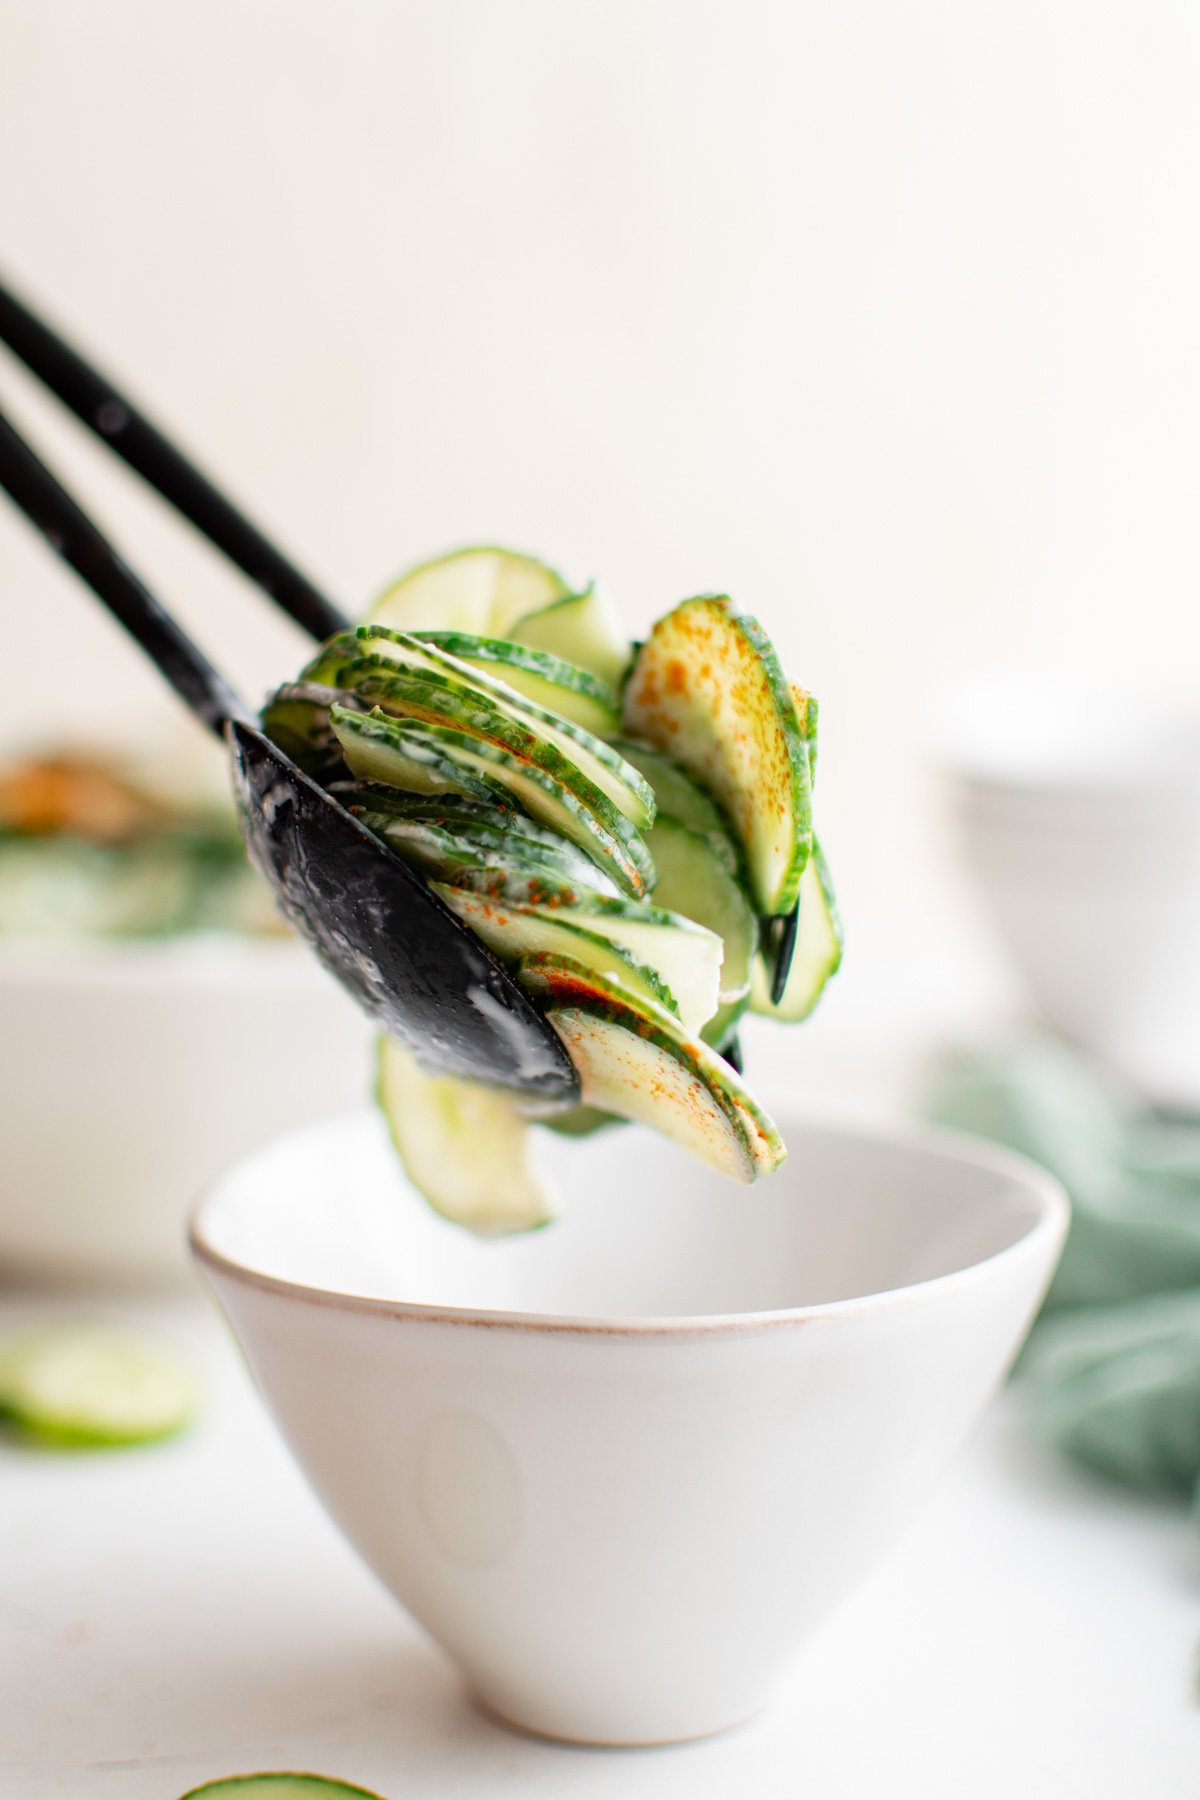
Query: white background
880	316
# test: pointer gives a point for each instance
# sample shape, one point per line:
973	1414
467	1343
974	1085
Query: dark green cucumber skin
245	1787
561	988
432	704
658	650
823	976
451	851
348	663
681	798
656	990
503	652
628	860
367	664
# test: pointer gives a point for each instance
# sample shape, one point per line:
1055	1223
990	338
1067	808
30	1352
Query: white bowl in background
1078	816
622	1468
133	1072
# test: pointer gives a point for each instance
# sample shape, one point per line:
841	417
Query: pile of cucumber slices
627	827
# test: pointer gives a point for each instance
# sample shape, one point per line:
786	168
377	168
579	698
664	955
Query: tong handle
114	418
80	542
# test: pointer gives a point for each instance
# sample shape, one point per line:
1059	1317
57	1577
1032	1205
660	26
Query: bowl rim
1041	1241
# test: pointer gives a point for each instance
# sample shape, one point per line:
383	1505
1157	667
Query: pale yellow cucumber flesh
464	1147
706	688
482	590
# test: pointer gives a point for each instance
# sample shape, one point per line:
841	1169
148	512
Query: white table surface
180	1612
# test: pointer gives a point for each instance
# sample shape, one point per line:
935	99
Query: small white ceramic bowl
621	1469
133	1072
1078	816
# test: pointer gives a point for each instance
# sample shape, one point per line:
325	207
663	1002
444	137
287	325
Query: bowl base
612	1739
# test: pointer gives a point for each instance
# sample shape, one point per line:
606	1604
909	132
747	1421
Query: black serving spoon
414	969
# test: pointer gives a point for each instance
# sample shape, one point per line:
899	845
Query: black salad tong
415	970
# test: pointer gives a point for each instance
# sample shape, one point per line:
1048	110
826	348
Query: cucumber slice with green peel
412	658
679	797
482	589
409	756
322	670
707	689
693	879
722	1029
556	856
442	851
281	1785
464	1147
547	680
638	1061
583	629
807	712
296	718
818	949
434	758
685	955
514	932
92	1386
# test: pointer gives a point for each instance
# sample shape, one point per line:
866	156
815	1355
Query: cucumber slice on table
581	628
707	689
433	759
818	949
92	1385
685	955
465	1148
639	1062
547	680
482	590
279	1786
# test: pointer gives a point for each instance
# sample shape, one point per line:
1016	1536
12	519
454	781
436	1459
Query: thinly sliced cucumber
488	825
707	689
514	932
721	1030
583	629
296	717
807	712
279	1785
442	851
681	798
381	651
482	589
818	950
685	955
547	680
409	756
638	1061
464	1147
694	880
92	1385
433	759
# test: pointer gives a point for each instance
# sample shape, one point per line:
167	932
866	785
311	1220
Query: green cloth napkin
1113	1372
